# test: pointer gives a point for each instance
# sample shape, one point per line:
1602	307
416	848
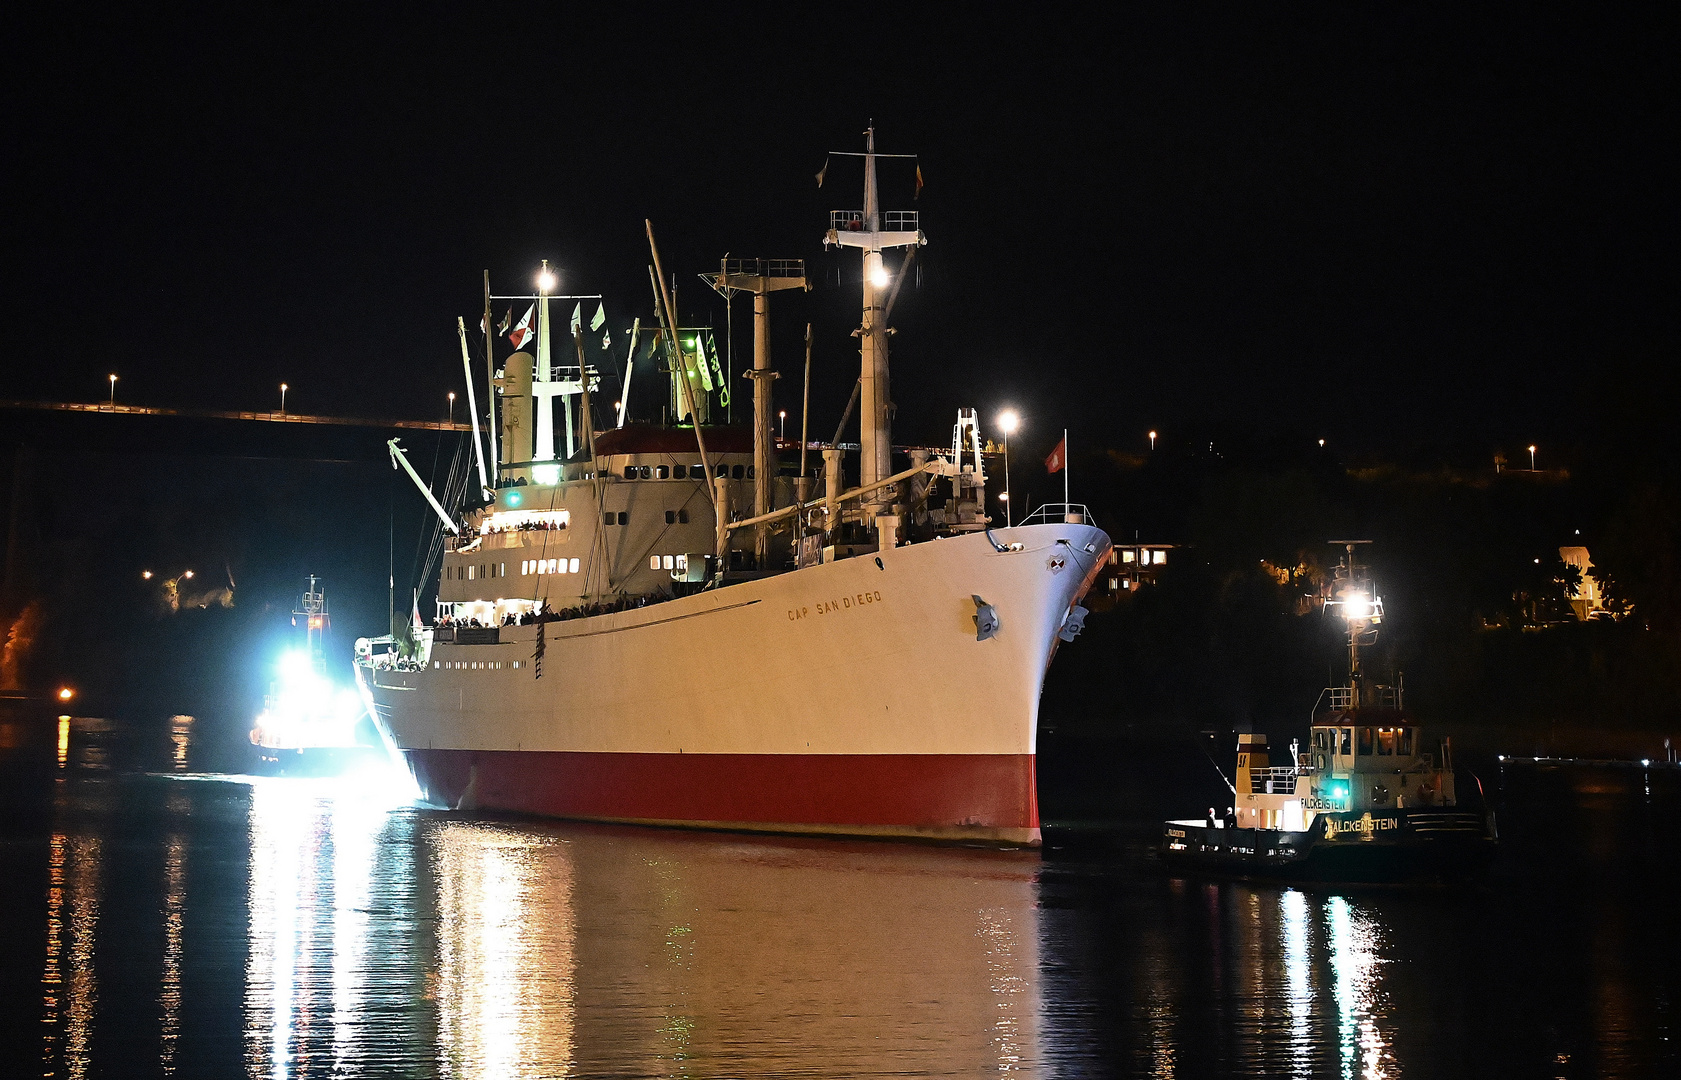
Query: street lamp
452	406
1008	421
781	425
1152	440
283	389
113	391
1532	458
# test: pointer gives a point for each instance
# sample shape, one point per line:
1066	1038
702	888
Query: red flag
523	330
1059	457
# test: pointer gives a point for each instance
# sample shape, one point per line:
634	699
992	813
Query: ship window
653	562
1386	742
560	566
1347	741
646	472
697	472
470	573
723	472
624	518
736	472
541	568
663	472
607	518
667	563
682	517
630	472
1366	741
436	665
1406	747
574	566
749	472
671	517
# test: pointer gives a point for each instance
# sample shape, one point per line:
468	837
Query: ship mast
865	230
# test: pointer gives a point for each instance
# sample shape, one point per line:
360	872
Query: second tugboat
1365	803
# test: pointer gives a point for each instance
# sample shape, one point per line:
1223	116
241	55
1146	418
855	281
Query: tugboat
309	727
1366	802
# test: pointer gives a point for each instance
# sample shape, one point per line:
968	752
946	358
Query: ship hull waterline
851	698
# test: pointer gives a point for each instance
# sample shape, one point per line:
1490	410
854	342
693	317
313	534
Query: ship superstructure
667	624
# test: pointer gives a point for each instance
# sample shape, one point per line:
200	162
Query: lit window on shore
1160	557
1126	556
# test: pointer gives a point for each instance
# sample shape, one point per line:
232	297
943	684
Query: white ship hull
851	697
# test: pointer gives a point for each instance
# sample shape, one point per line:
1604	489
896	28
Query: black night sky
1390	229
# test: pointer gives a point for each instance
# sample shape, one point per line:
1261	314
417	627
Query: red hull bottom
975	797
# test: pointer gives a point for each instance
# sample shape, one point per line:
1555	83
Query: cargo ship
1368	801
686	623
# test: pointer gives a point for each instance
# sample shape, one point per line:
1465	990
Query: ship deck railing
1278	780
891	220
1334	698
1061	513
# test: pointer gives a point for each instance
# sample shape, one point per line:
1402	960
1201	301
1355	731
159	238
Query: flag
577	317
522	332
507	317
824	171
607	341
600	317
1059	457
918	193
418	625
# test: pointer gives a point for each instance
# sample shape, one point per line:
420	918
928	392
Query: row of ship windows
549	566
672	517
668	562
477	665
475	571
692	472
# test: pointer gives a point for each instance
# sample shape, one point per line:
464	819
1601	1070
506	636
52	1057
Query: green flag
600	317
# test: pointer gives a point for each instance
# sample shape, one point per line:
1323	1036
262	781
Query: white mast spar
472	406
873	232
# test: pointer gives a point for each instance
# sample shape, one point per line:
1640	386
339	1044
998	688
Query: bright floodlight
546	281
1008	421
879	277
1357	606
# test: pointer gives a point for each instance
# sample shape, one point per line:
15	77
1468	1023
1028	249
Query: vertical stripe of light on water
1293	910
1017	1008
357	822
283	824
174	916
70	987
506	946
1354	967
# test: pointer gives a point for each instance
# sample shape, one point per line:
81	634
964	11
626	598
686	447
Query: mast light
879	277
546	281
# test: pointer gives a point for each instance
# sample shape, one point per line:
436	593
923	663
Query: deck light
879	277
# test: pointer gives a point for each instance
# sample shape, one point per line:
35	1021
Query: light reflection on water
288	928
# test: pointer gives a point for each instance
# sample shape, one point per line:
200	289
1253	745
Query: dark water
163	920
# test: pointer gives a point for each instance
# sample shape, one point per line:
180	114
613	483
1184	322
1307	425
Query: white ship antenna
472	406
873	232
